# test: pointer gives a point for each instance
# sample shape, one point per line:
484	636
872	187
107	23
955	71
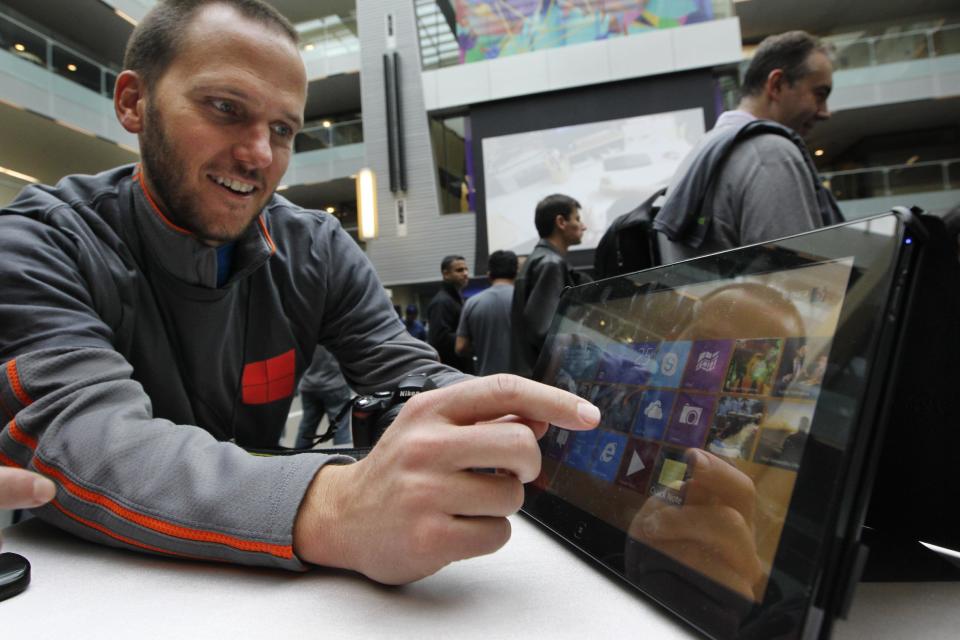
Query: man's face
219	124
457	273
572	228
804	103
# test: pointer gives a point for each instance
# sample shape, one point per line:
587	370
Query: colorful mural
495	28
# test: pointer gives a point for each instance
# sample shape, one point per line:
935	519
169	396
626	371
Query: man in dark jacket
537	291
443	313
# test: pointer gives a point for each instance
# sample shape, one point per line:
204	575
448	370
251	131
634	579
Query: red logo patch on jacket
269	380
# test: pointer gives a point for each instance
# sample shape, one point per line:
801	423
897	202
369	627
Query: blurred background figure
323	390
484	328
443	312
414	326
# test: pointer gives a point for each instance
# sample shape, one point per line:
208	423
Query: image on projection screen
610	167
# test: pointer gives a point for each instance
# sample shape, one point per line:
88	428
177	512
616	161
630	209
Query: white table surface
534	587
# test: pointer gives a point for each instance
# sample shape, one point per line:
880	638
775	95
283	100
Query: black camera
372	414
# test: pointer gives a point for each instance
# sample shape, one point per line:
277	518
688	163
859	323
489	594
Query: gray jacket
128	376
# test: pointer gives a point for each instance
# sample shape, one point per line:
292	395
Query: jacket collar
183	256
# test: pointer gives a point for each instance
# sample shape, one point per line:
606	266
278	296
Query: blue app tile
554	442
608	451
580	446
670	362
654	413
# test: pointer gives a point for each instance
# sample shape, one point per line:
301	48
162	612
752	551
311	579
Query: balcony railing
331	35
32	46
854	52
877	182
328	135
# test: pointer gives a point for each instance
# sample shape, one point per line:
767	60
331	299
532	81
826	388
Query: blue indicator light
908	241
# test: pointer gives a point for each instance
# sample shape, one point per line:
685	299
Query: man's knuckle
508	387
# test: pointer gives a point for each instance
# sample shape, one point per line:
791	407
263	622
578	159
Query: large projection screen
609	167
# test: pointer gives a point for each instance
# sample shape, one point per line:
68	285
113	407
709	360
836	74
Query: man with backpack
751	179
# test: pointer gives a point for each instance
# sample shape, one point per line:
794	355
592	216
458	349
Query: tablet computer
743	399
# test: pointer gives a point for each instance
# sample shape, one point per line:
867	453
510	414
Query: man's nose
823	113
254	151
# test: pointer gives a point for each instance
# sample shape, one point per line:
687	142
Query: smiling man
157	316
751	179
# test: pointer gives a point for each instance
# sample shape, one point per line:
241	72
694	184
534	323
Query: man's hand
713	530
417	503
21	489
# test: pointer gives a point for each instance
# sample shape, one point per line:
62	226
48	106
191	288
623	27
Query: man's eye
223	106
282	130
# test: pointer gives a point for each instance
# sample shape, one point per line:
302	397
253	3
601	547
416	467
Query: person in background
544	275
414	326
443	313
731	189
323	390
485	322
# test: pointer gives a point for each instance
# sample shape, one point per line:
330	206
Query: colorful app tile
753	366
802	368
618	405
669	476
706	364
690	420
580	446
637	465
653	414
670	362
608	451
736	423
783	433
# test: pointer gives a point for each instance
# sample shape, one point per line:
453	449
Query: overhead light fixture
308	47
71	67
331	210
912	159
283	187
367	204
125	17
818	152
327	124
18	175
19	47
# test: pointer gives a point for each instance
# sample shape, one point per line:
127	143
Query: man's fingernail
588	412
43	490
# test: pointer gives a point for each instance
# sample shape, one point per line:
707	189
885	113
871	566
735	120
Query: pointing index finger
492	397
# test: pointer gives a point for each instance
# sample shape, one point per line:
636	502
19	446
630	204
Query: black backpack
630	242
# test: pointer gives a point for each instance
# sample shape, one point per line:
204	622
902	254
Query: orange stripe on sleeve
8	461
116	536
155	524
21	436
14	376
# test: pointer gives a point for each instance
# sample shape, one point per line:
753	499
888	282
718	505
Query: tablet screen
724	441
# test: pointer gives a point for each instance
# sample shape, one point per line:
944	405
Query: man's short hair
502	264
787	51
549	208
158	38
449	260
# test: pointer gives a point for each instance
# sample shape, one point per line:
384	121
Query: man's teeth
234	185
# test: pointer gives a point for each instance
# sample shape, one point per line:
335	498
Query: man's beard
167	177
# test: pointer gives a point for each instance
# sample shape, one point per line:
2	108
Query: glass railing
877	182
331	35
473	30
857	51
329	134
32	46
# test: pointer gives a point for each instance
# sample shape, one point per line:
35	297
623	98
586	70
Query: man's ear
776	82
559	222
129	101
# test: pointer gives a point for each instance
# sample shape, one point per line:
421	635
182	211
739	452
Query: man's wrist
317	528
